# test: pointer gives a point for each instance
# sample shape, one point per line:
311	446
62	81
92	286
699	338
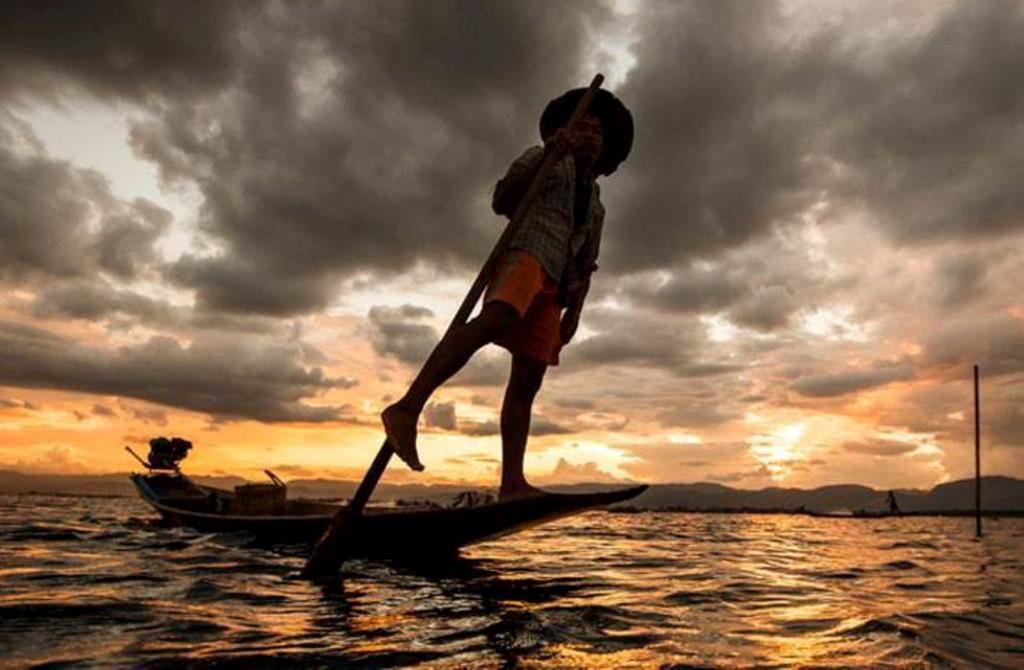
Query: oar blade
333	547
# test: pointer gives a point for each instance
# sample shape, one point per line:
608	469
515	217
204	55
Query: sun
778	449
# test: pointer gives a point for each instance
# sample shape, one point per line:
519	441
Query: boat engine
165	453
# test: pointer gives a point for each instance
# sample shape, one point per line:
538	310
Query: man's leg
523	385
452	352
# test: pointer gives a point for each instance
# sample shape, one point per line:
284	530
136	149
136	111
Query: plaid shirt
567	252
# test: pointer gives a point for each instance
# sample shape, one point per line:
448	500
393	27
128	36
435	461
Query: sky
247	224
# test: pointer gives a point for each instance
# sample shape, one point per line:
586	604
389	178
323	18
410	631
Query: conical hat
616	121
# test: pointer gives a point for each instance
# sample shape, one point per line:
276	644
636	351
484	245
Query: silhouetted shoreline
1001	496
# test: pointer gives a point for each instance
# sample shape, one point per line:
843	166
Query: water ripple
96	583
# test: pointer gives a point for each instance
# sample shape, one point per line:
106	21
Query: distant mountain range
998	493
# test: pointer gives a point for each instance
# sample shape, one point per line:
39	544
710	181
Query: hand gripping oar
330	552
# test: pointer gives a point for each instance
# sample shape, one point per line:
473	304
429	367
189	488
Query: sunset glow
797	273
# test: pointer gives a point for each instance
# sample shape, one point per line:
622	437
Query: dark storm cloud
721	134
124	244
397	332
708	369
240	285
145	414
699	402
103	410
960	280
675	346
440	415
766	309
697	413
761	285
331	138
695	290
324	138
487	368
740	128
574	403
1007	421
629	347
226	376
96	300
649	341
43	201
880	448
843	383
117	48
60	221
929	126
363	136
479	428
601	421
541	425
996	343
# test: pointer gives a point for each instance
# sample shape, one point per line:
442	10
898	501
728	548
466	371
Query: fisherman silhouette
533	303
893	507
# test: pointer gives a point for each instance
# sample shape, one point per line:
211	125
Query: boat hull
379	531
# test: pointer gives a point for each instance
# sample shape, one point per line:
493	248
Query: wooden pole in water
977	456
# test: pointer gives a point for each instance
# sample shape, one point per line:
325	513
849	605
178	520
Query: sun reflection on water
595	591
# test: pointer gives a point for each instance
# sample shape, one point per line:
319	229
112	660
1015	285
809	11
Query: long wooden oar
330	552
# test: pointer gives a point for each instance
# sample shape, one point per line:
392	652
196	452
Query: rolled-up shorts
522	282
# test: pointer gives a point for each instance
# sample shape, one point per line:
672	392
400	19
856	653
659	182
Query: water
95	583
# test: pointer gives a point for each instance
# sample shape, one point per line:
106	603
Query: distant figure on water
894	508
533	303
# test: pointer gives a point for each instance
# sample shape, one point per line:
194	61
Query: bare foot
400	427
522	491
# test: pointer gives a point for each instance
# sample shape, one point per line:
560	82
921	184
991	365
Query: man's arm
574	306
575	300
510	190
571	316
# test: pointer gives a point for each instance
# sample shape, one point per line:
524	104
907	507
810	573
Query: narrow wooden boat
182	502
380	531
